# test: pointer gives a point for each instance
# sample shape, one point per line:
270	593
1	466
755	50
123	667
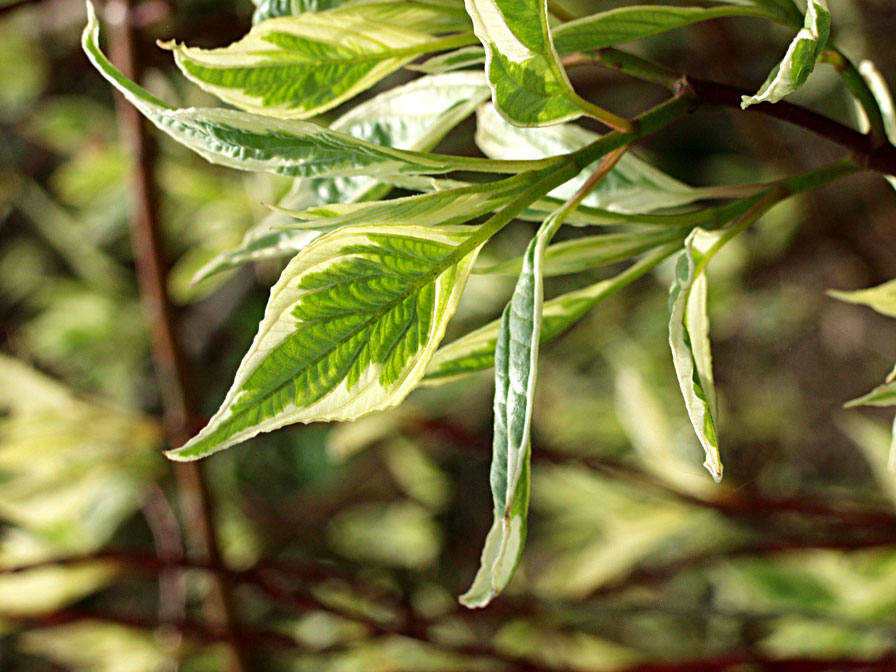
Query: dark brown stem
179	405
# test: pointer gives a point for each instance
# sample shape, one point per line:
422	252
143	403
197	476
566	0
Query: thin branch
178	398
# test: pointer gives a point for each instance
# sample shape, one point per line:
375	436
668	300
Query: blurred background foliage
346	545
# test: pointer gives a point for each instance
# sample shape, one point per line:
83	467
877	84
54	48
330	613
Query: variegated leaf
881	298
881	92
350	328
799	61
632	186
529	86
882	395
475	351
689	340
414	116
299	66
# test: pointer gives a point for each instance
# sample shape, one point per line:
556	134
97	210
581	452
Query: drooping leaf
299	66
881	298
688	338
414	117
626	24
475	351
516	368
799	61
249	142
632	186
579	254
349	329
529	86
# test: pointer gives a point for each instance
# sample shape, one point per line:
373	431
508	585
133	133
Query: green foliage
381	236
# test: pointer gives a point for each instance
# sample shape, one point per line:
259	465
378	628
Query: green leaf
299	66
452	206
573	256
250	142
882	395
452	60
881	298
350	328
476	350
430	17
415	116
627	24
516	366
799	61
529	86
689	340
632	186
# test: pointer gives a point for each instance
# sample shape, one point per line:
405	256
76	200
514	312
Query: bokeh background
343	547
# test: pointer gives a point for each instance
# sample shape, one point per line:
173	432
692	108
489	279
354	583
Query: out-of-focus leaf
451	60
799	61
881	92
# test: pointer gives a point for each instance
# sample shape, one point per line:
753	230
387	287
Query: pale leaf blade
350	328
691	379
882	395
516	369
799	60
627	24
299	66
881	298
475	351
632	185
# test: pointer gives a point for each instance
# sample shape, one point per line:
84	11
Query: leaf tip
167	45
715	470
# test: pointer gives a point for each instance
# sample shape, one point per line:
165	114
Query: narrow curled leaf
299	66
626	24
414	116
632	186
249	142
349	329
516	368
689	340
451	60
576	255
529	86
475	351
799	61
881	298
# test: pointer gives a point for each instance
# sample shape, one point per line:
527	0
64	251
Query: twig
178	399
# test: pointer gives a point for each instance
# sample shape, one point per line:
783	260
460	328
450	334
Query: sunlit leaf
688	338
249	142
299	66
475	351
881	298
414	116
626	24
349	329
576	255
799	61
632	185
